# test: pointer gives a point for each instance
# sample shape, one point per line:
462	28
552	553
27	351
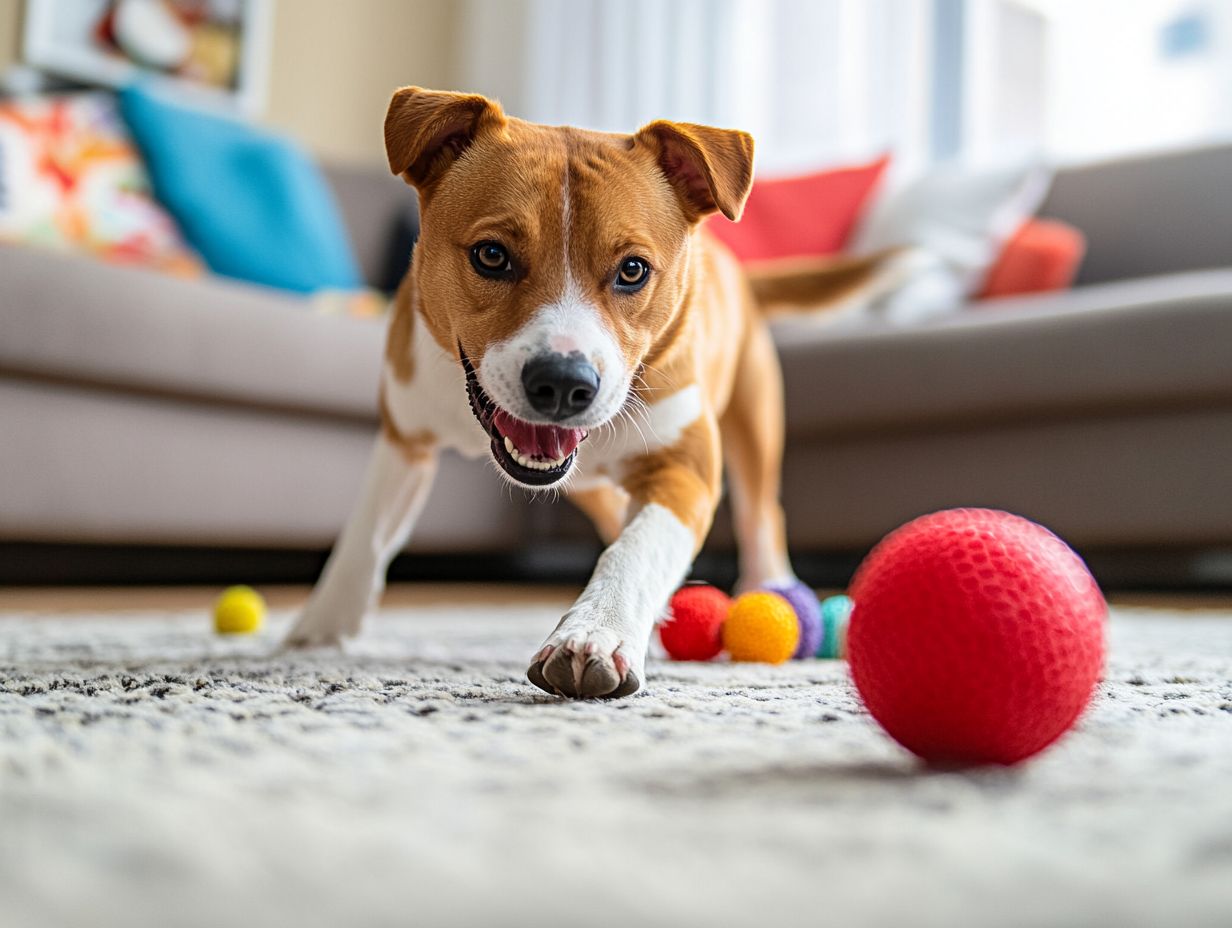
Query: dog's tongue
548	442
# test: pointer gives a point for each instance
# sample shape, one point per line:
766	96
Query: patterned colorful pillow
71	178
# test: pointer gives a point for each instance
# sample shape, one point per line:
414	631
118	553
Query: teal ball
835	612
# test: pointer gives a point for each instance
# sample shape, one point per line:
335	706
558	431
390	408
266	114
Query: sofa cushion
1043	255
1160	213
71	179
74	319
805	216
255	205
960	215
382	216
1154	343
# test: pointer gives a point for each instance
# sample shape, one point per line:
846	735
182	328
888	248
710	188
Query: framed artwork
211	51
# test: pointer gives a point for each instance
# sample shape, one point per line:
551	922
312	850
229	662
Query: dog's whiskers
629	412
670	383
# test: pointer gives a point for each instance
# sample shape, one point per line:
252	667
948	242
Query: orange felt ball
693	630
761	627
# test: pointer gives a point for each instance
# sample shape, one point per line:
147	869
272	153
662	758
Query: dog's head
554	261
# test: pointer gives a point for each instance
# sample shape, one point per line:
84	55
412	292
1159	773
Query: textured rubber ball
977	636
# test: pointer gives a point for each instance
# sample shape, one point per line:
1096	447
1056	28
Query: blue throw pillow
253	204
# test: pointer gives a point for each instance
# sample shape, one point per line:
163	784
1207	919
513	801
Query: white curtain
816	81
820	82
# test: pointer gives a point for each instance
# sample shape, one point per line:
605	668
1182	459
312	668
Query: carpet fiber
151	774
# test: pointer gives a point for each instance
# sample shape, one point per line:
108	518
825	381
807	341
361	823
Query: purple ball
808	614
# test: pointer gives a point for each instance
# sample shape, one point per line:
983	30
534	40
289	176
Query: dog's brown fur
687	345
695	322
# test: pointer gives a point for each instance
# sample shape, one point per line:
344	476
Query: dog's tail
829	283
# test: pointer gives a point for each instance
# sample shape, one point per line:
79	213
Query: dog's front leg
599	647
395	488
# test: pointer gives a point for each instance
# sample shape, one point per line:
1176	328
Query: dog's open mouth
536	455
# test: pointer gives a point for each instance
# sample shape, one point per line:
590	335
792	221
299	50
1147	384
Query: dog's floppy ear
711	169
426	130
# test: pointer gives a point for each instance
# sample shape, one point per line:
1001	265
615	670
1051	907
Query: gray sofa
141	409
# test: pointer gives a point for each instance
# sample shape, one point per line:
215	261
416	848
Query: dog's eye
632	275
491	260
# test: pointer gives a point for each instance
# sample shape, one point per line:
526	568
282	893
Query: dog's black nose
560	385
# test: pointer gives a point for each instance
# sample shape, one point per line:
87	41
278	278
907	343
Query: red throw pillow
1042	255
804	216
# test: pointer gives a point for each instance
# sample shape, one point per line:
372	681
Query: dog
566	313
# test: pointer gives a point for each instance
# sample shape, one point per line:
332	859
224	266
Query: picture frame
62	38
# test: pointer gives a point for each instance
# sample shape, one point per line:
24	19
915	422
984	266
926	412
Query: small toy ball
977	636
240	610
835	613
693	630
761	627
808	614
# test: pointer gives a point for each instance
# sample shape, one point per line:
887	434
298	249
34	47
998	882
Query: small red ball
977	636
693	630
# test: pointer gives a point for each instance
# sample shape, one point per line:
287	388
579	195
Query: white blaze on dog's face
552	261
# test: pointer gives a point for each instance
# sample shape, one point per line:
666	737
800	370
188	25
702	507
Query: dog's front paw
321	626
583	659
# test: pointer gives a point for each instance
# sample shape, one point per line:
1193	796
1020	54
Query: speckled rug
151	774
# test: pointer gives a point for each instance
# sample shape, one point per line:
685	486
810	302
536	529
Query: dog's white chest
637	432
434	400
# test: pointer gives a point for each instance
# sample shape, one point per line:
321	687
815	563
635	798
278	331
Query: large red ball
693	630
977	636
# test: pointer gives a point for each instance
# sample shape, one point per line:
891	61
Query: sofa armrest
73	318
1161	343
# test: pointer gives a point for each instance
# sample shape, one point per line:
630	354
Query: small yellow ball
240	610
761	627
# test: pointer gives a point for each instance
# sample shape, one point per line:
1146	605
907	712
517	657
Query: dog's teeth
525	460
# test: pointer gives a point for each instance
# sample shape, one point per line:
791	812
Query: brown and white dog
566	314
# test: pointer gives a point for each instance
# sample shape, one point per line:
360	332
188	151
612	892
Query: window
823	81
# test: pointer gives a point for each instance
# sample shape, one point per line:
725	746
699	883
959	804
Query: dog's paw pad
534	674
600	677
584	670
630	685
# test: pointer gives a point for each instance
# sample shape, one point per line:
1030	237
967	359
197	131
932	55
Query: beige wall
10	32
333	65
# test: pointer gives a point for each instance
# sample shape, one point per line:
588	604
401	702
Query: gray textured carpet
151	774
